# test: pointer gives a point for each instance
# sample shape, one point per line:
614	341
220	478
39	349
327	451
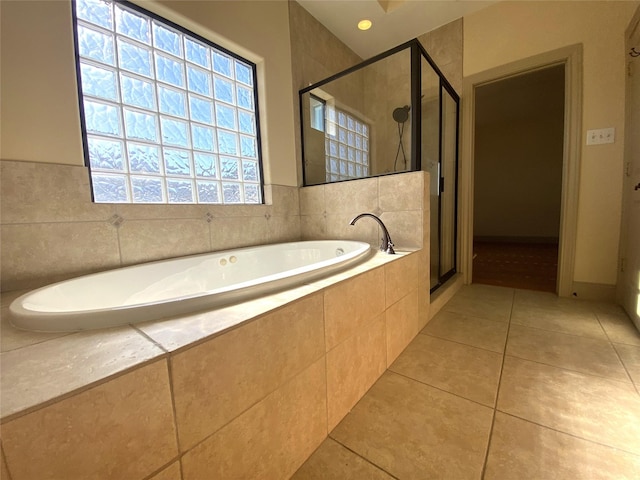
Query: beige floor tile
470	372
566	320
582	354
474	331
551	300
172	472
522	450
331	461
630	355
493	303
417	432
590	407
619	327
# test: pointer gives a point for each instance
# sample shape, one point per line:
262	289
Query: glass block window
168	117
346	145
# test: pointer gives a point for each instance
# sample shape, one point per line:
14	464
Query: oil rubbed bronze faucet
386	245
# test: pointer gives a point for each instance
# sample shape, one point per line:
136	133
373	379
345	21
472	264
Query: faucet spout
386	245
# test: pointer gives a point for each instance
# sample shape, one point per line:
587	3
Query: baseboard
505	239
594	291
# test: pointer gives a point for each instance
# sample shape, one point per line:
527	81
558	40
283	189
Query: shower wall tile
400	277
121	429
353	366
147	240
402	325
272	439
34	192
352	198
352	304
35	254
232	232
405	227
402	192
216	381
365	230
172	472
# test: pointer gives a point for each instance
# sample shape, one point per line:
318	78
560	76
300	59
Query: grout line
175	413
363	458
437	388
590	374
613	345
459	343
573	435
495	407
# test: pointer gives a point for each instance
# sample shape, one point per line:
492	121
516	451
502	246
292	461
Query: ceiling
394	21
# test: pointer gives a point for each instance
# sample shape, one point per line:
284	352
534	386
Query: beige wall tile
172	472
351	304
37	192
312	200
402	192
282	200
283	229
234	232
402	325
365	230
156	212
121	429
400	277
353	366
352	198
313	227
147	240
216	381
42	372
34	255
405	228
271	439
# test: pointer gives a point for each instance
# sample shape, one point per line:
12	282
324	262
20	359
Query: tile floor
501	384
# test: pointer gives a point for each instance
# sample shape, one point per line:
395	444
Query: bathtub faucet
386	245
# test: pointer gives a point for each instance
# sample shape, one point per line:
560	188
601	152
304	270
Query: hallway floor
501	384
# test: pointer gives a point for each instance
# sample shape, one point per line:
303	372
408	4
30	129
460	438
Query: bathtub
180	286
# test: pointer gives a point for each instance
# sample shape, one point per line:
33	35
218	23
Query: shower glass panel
390	114
367	125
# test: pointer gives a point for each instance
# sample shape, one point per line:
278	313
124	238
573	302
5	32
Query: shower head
401	114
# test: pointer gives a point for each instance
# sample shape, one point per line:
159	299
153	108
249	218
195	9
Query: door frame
571	58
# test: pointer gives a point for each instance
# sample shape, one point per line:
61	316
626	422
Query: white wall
511	31
40	119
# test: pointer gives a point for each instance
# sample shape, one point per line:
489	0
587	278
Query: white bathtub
180	286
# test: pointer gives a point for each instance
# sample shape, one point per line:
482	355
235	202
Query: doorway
518	152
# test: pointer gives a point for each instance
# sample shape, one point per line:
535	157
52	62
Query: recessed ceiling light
364	24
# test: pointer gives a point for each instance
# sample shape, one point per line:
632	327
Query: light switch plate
601	135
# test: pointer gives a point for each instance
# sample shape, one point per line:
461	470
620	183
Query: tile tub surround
214	381
50	230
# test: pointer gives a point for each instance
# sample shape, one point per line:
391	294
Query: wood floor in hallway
502	384
530	266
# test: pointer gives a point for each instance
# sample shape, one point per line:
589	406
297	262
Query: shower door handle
441	184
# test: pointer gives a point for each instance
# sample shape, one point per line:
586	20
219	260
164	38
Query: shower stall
393	113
